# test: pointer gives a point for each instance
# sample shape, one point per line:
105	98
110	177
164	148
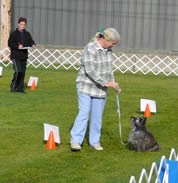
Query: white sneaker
75	147
97	147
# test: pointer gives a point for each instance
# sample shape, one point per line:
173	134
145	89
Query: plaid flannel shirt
95	70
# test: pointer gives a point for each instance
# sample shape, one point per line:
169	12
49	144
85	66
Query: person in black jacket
18	40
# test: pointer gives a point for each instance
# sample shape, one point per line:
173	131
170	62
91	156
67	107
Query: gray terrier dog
140	139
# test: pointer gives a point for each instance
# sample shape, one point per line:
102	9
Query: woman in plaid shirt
93	79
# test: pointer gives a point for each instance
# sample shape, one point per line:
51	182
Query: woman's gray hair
110	34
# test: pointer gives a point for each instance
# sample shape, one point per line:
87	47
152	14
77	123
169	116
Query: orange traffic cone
147	111
51	143
33	87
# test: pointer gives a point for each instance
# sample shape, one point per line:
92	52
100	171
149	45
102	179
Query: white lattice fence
122	62
154	174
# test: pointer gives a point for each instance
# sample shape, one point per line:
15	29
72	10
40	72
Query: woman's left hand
118	89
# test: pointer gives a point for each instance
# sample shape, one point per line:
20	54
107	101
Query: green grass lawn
24	158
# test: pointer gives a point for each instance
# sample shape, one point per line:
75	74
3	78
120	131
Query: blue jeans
88	107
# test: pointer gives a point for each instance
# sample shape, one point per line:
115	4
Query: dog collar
137	131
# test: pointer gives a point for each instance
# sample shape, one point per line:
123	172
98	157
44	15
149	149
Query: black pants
19	66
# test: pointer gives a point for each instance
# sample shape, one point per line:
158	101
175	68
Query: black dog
140	139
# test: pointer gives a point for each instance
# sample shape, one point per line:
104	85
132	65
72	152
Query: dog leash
119	115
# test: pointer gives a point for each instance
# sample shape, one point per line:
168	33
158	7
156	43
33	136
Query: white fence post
173	155
143	175
132	180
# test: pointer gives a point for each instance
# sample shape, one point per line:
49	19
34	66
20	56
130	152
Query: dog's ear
132	122
132	118
143	121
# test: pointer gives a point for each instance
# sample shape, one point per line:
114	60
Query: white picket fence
155	171
123	62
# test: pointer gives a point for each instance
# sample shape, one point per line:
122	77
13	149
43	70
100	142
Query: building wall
143	24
